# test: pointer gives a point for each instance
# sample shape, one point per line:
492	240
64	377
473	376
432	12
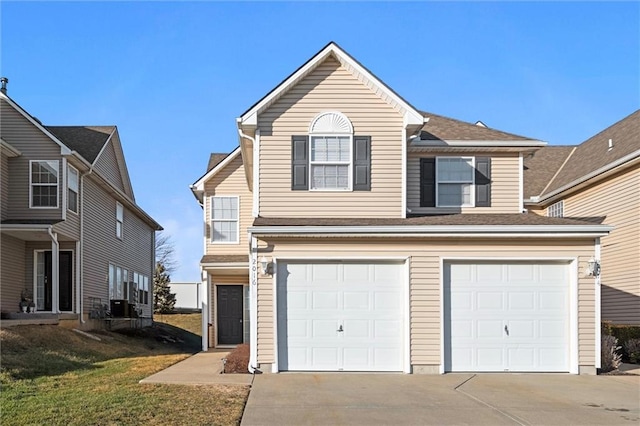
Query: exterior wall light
593	268
265	266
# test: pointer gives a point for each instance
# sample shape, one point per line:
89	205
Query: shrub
610	358
632	348
623	333
238	360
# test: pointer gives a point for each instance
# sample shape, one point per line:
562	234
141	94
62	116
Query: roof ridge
427	114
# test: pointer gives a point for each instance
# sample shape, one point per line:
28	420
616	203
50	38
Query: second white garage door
506	316
340	316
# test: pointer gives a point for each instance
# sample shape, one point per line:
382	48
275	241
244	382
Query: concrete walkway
203	368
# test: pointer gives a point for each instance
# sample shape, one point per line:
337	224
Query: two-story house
72	237
350	231
598	180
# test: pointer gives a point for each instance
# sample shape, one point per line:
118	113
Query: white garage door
507	317
340	316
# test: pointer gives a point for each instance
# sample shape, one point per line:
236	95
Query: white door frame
401	260
572	263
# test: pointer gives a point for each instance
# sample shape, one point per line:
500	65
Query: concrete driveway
452	399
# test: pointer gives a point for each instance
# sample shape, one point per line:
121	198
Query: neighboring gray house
72	237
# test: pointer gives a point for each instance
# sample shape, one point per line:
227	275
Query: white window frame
236	220
32	184
348	163
472	190
119	220
70	171
556	209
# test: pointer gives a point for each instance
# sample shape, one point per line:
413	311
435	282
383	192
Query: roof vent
610	144
480	124
4	81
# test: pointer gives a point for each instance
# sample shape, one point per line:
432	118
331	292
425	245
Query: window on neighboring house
224	219
331	157
117	280
44	184
455	182
119	219
143	288
556	209
73	189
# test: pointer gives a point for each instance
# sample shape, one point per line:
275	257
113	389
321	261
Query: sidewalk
203	368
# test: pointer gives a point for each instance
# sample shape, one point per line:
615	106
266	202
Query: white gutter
253	305
477	143
247	173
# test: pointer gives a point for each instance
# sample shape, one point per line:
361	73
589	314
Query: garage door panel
360	300
324	300
324	328
386	329
506	316
324	273
387	301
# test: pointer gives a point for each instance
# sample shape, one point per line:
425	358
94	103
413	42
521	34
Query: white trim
472	184
571	263
31	206
211	220
66	202
529	143
11	151
64	189
411	115
323	131
348	163
256	175
520	183
598	306
199	184
253	304
403	177
205	306
403	261
120	207
491	230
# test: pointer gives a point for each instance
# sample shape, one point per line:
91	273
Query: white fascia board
199	184
25	227
10	149
480	235
632	158
229	265
478	144
64	150
447	230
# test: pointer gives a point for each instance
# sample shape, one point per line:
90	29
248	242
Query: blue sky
173	76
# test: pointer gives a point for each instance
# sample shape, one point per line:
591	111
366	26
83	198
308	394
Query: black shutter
362	163
427	182
483	182
299	163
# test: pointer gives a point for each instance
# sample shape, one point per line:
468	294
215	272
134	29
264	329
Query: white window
330	162
44	184
224	220
73	189
112	282
556	209
119	219
455	181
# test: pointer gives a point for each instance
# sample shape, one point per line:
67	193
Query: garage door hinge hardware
340	329
506	330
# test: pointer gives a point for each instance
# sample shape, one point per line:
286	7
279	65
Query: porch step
5	323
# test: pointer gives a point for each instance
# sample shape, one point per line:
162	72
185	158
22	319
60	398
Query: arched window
330	152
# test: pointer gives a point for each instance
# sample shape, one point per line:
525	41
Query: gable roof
199	184
215	159
594	154
87	141
411	115
541	167
444	128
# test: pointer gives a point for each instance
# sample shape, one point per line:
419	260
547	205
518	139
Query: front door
230	311
44	281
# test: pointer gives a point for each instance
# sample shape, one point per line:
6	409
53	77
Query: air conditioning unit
119	308
131	292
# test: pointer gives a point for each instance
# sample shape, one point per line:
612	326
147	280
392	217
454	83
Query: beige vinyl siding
101	247
4	185
505	189
425	281
230	181
330	88
33	145
617	201
12	272
107	165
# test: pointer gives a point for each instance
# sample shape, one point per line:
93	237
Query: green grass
50	375
189	322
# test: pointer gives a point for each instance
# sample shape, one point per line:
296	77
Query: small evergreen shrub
632	349
610	357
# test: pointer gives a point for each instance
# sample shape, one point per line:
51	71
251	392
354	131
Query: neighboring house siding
101	247
107	165
617	201
12	272
33	145
505	190
425	260
4	186
230	181
330	88
71	225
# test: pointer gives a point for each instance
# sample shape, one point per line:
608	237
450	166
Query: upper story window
119	219
331	157
224	220
43	184
556	209
72	189
455	182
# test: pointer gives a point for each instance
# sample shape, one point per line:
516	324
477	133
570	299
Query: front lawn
50	375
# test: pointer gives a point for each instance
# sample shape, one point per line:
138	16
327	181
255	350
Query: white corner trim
598	307
520	183
574	344
256	175
404	179
253	303
274	282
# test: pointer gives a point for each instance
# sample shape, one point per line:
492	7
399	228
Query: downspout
80	292
598	313
55	270
253	305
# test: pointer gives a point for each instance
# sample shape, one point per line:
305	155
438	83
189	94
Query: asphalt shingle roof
85	140
230	258
445	128
215	159
540	168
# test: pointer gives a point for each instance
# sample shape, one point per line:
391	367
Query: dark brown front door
230	328
65	281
